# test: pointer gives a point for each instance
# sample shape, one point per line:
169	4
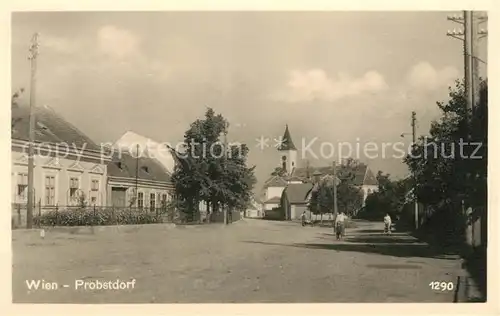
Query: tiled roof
361	174
275	181
296	193
287	143
50	127
273	200
149	168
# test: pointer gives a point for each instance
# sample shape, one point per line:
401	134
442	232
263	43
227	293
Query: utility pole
477	35
467	37
137	175
335	204
414	142
225	206
32	118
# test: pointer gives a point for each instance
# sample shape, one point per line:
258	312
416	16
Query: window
140	200
152	201
94	191
50	190
74	185
164	201
94	185
22	185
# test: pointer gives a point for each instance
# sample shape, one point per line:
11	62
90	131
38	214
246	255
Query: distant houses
291	189
255	209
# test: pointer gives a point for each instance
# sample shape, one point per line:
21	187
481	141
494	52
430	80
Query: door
118	197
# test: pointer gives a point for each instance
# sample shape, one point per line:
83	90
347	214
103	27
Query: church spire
287	143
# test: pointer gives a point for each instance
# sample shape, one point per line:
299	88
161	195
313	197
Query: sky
331	76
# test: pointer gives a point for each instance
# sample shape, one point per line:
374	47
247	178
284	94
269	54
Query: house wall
254	213
274	191
62	169
145	189
367	190
296	211
269	207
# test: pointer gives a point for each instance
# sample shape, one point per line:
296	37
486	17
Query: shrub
89	217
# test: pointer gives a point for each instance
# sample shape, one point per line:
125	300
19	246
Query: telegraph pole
477	35
137	175
335	204
225	206
414	142
32	118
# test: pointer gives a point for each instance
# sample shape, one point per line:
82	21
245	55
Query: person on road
303	218
387	224
340	225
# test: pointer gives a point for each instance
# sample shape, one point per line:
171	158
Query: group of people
339	227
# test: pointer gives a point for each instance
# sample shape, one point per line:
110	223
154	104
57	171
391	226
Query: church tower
288	152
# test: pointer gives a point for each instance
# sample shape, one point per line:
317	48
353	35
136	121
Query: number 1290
441	286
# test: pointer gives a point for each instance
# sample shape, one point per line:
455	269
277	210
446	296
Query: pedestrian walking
387	224
340	225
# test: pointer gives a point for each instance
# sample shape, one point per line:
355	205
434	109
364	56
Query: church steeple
287	143
289	153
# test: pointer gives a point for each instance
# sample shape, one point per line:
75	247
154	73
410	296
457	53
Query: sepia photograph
162	157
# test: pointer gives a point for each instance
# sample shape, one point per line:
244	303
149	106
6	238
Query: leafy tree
321	198
205	172
279	171
14	105
389	198
349	198
445	172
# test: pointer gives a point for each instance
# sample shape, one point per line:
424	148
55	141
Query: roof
362	174
275	181
149	168
130	140
273	200
296	193
287	142
50	128
370	178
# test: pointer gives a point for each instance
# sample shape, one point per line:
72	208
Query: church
289	186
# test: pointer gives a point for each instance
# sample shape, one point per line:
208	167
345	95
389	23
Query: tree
389	198
279	171
14	105
349	198
205	173
321	198
445	171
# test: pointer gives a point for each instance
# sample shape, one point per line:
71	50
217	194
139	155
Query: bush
89	217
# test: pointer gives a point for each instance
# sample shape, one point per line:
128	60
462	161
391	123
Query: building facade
138	182
69	168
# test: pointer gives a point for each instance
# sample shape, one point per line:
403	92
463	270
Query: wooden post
57	215
19	216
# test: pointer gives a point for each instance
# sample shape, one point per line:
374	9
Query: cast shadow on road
394	246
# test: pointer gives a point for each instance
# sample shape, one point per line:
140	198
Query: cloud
315	84
424	76
58	44
118	43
